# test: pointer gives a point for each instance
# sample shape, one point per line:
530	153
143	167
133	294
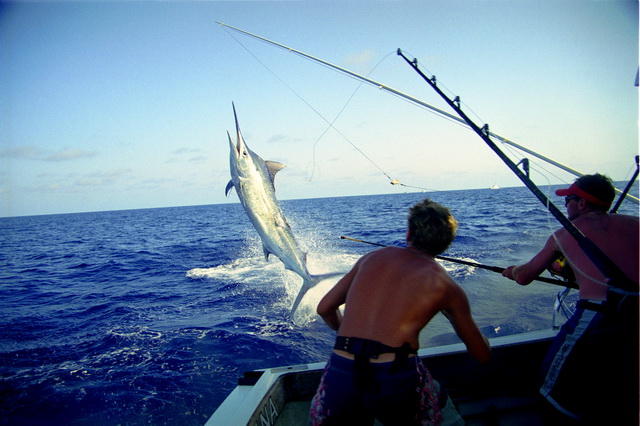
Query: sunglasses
568	198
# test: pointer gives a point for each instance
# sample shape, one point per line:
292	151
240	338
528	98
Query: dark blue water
149	316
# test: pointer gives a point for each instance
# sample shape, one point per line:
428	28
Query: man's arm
328	308
526	273
458	313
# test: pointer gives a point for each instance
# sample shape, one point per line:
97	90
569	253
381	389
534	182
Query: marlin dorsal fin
274	167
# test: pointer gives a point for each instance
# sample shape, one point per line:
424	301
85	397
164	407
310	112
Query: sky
126	105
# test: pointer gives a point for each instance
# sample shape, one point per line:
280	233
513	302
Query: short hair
600	186
432	227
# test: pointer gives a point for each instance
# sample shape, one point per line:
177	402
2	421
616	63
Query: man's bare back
389	296
597	347
392	293
616	235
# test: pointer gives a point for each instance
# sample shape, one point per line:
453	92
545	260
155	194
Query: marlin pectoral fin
267	252
281	222
228	188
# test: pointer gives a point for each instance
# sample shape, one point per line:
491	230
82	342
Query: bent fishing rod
409	98
626	190
609	269
400	94
570	284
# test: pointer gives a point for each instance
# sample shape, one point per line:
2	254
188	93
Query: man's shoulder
383	252
621	219
385	255
626	218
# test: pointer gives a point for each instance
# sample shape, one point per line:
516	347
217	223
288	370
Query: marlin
253	179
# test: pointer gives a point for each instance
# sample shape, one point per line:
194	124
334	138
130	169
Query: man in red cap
591	370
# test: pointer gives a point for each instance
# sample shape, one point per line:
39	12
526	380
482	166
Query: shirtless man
390	295
591	371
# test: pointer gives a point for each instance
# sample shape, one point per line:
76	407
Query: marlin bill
253	179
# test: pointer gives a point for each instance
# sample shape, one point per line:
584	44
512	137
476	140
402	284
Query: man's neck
418	252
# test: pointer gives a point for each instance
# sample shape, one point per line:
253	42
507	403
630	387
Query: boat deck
505	411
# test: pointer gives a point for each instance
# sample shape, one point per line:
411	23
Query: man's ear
409	234
582	204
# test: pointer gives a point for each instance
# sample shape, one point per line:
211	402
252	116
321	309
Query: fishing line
600	260
550	225
308	104
340	113
533	163
391	180
451	94
276	76
440	112
576	269
509	147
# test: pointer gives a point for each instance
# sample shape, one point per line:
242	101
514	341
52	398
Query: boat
495	186
504	391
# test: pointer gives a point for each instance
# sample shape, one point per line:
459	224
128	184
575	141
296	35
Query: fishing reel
562	308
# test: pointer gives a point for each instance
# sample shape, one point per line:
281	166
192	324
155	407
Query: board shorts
394	394
591	370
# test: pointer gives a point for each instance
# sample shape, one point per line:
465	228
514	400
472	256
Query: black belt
371	348
591	306
364	349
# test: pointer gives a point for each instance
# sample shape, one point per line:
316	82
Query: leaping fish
253	179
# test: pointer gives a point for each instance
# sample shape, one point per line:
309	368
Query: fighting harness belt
363	349
623	305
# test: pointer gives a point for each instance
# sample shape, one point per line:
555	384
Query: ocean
150	316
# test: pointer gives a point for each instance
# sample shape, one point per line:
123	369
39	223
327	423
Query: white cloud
198	159
363	58
278	138
101	178
195	155
23	152
29	152
69	154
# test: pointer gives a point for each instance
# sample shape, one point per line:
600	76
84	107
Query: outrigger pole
617	278
410	99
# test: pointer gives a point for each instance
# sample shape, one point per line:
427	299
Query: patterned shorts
405	395
591	370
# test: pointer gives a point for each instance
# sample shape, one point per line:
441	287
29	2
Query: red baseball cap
574	189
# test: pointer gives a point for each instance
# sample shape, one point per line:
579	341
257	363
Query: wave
253	272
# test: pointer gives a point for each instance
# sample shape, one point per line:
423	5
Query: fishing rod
409	98
617	278
626	190
498	269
